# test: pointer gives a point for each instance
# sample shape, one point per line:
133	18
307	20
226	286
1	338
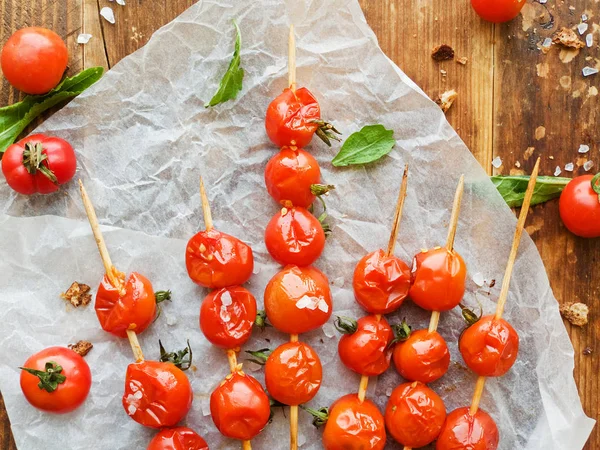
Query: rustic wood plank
94	52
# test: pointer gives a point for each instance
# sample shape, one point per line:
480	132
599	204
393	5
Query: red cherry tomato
580	207
132	307
489	347
381	282
38	163
65	377
414	415
215	260
438	279
240	407
423	357
464	431
298	299
227	316
34	60
367	350
180	438
293	373
497	11
157	394
354	425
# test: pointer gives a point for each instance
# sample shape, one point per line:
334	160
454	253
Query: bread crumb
576	313
442	53
77	294
446	99
567	38
82	348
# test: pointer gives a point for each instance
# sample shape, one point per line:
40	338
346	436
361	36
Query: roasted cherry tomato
354	425
489	347
423	357
438	279
295	236
381	282
497	11
580	206
34	60
157	394
56	380
464	431
298	299
38	163
215	260
365	348
240	407
180	438
227	316
414	415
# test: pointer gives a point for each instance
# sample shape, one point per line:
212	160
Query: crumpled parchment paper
143	138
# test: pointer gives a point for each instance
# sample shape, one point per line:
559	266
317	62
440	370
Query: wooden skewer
135	346
232	358
293	414
292	59
246	445
208	223
398	214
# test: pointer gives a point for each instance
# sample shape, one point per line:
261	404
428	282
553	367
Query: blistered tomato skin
179	438
423	357
464	431
215	260
497	11
354	425
381	282
580	207
489	347
227	316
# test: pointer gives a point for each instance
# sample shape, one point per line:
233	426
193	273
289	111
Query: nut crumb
77	294
462	60
446	99
442	53
567	38
82	348
576	313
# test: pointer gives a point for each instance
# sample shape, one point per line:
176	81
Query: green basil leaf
365	146
513	188
596	184
231	83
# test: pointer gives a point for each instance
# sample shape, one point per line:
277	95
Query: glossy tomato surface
414	415
179	438
227	316
497	11
489	347
298	299
438	279
68	394
240	407
464	431
215	260
423	357
157	394
580	207
381	282
354	425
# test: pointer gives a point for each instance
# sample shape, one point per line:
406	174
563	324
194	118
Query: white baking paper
143	138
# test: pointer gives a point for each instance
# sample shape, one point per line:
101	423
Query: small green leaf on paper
365	146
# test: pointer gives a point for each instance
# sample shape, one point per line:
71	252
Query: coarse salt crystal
497	162
478	279
133	387
582	28
389	391
83	38
569	167
557	171
588	165
587	71
301	439
589	40
323	306
138	395
256	270
226	299
584	17
584	148
305	302
329	330
121	2
339	281
131	410
171	320
108	14
547	42
205	404
224	314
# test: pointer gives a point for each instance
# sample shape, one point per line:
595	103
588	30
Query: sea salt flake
323	306
588	165
589	40
301	439
584	17
205	405
133	387
171	320
584	148
108	14
226	299
389	391
582	28
587	71
497	162
329	330
569	167
557	171
131	409
256	270
83	38
305	302
138	395
478	279
547	42
121	2
224	314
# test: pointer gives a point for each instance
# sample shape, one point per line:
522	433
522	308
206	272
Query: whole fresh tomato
423	357
365	348
239	407
180	438
38	163
354	425
438	279
414	415
227	316
489	347
298	299
497	11
464	431
34	60
381	282
216	260
293	373
295	236
580	206
56	380
157	394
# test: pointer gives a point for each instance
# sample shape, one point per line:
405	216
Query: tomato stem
469	316
326	131
596	185
260	356
402	332
346	325
33	159
161	296
50	377
320	416
178	358
261	319
321	189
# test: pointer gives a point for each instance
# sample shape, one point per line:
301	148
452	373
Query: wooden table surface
514	101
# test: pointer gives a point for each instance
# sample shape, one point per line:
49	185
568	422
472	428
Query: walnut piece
567	38
82	348
446	99
77	294
576	313
442	53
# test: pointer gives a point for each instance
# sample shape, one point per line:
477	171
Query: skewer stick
407	448
292	60
398	214
135	346
362	388
232	358
208	223
246	445
294	427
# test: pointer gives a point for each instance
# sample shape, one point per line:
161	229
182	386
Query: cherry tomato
381	282
489	347
298	299
157	394
497	11
580	207
438	279
354	425
38	163
414	414
215	260
132	307
61	380
180	438
239	407
423	357
464	431
34	60
367	350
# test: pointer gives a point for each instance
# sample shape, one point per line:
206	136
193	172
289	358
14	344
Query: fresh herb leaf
231	83
596	184
512	188
365	146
